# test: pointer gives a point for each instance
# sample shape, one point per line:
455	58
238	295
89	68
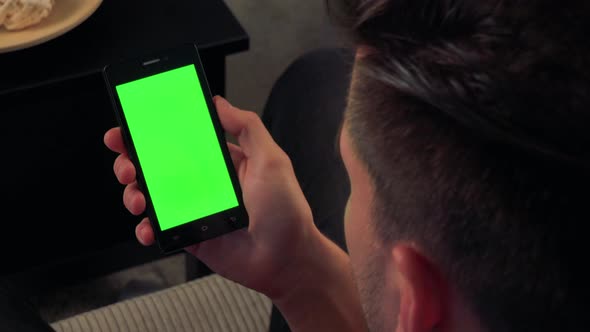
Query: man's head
467	145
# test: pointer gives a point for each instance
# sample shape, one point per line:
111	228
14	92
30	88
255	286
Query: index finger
113	139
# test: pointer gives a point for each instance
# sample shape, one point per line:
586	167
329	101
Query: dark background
62	209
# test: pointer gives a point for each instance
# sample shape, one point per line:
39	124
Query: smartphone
175	140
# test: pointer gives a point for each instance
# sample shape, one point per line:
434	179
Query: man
465	144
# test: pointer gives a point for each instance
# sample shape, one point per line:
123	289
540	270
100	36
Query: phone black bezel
199	230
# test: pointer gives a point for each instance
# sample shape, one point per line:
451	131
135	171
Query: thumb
247	127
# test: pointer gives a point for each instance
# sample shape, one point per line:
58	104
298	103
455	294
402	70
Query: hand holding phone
172	133
281	229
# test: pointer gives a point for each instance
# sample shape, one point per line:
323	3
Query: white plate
65	15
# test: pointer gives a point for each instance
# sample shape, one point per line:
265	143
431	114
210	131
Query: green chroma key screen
177	146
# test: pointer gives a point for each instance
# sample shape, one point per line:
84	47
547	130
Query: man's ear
422	291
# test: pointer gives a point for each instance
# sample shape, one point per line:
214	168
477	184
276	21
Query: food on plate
21	14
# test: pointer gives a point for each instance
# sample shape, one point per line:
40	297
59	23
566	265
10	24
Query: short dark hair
472	118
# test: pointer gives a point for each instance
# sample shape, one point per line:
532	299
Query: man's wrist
296	269
322	295
303	270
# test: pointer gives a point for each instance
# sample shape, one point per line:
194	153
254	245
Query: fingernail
141	234
222	102
144	233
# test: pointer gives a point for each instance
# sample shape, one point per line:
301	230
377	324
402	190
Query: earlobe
422	291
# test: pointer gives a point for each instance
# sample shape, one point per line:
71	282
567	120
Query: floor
280	31
138	280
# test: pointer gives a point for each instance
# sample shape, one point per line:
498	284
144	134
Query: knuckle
251	119
278	160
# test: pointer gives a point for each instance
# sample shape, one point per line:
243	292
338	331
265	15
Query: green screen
177	146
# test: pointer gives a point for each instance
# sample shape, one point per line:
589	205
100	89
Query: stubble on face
367	253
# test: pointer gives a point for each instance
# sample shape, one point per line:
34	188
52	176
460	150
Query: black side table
62	206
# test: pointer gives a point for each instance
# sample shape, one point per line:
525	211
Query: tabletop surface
119	29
